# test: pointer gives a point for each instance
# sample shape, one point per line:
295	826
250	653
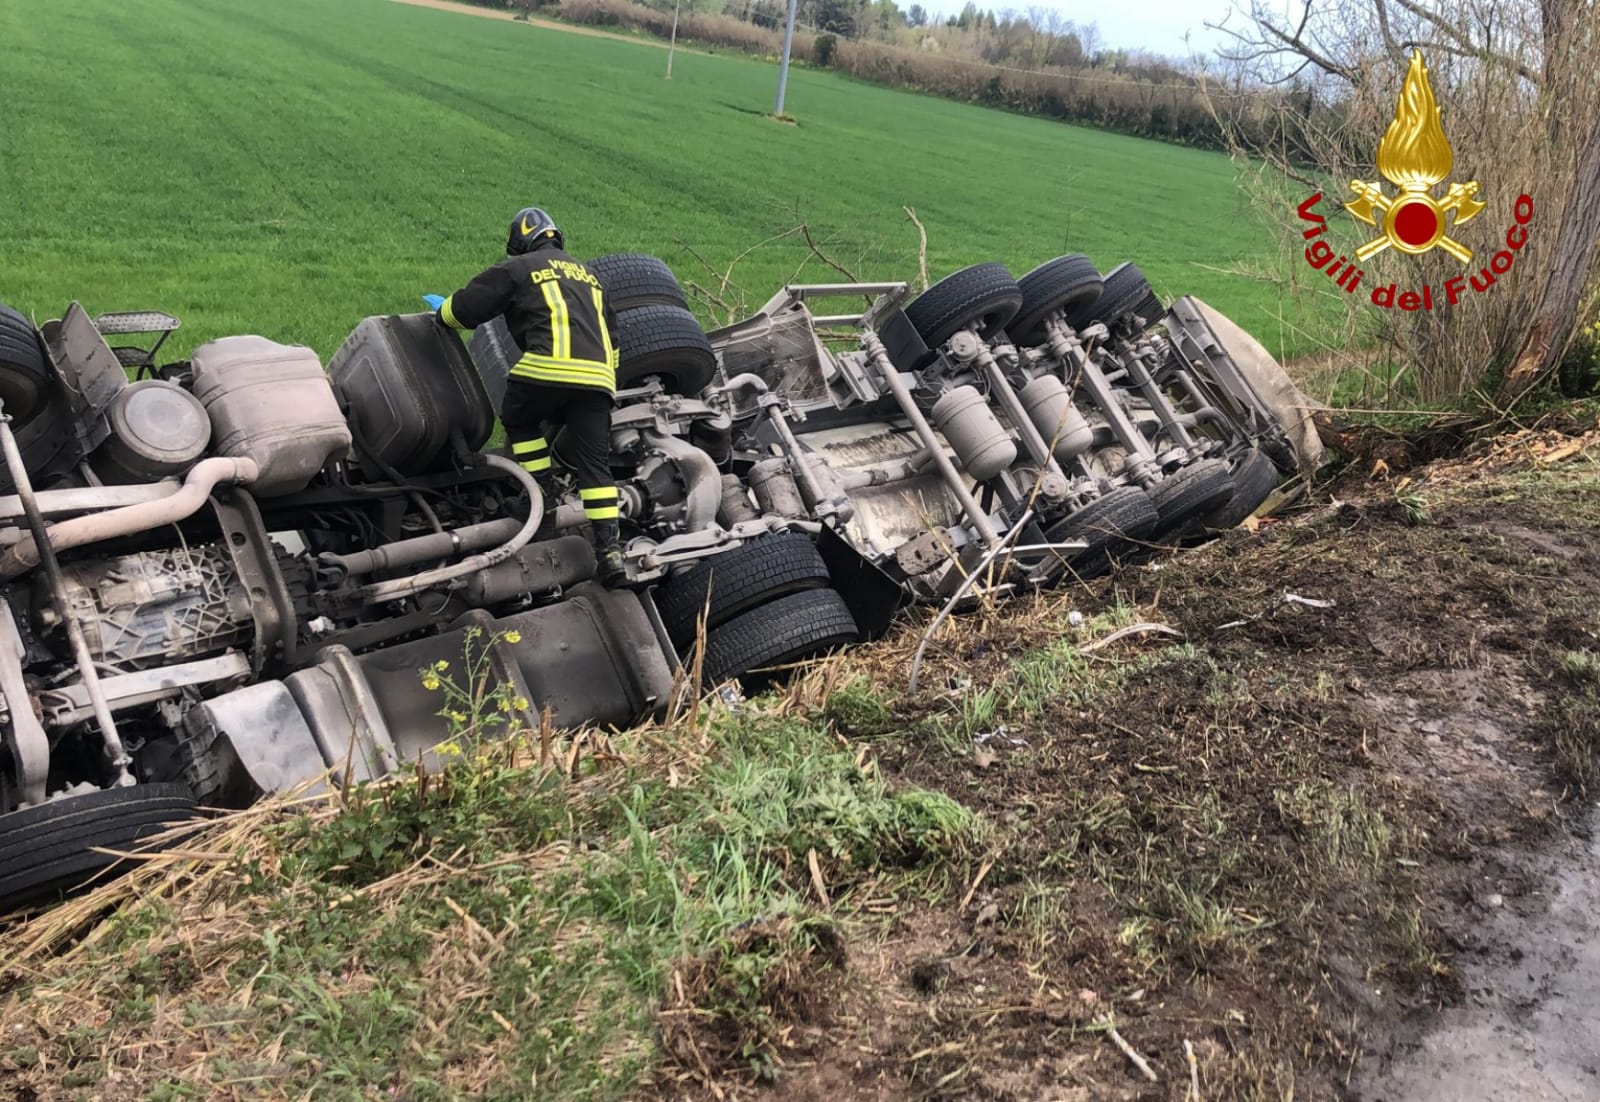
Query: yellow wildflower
513	637
441	665
451	749
430	681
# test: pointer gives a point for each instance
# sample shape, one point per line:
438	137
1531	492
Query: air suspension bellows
979	440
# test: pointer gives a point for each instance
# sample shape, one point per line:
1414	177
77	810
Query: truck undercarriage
227	576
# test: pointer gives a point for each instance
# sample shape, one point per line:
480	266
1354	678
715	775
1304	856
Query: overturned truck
223	577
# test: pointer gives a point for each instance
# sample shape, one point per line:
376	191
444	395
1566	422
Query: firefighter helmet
532	229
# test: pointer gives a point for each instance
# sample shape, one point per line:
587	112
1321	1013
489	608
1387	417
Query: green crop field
289	168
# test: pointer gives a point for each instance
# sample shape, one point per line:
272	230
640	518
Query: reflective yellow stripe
560	323
534	466
448	315
605	332
575	372
598	493
602	512
523	447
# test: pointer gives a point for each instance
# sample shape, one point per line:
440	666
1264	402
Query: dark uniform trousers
534	412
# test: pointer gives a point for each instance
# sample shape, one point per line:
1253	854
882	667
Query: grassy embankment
288	169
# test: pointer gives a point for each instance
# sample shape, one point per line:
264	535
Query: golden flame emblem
1414	156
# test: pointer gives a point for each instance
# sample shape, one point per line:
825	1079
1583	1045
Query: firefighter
557	313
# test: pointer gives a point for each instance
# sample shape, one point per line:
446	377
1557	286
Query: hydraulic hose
398	588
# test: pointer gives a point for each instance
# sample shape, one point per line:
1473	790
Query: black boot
551	492
608	552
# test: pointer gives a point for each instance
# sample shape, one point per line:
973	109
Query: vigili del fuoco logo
1415	156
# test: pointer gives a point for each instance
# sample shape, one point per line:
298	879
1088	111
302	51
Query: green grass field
289	168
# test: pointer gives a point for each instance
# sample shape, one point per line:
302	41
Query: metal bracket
30	746
249	545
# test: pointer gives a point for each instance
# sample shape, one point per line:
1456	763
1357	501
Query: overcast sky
1155	25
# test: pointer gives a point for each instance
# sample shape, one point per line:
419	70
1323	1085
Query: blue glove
433	301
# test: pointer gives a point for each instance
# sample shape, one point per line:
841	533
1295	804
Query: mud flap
873	596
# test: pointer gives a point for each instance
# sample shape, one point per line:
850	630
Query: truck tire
1111	525
24	371
790	629
50	848
635	279
1191	492
986	294
1068	283
1254	479
1127	293
756	572
665	342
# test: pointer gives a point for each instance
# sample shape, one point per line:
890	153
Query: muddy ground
1338	847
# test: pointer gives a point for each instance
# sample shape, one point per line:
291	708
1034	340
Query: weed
859	709
1571	722
1342	827
1414	508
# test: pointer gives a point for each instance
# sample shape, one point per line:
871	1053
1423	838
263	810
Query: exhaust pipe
131	519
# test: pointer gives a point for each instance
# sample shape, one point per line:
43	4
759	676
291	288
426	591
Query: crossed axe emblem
1371	205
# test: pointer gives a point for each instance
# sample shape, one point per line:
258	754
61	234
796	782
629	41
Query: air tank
1057	419
980	441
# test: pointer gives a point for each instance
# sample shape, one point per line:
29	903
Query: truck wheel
790	629
667	343
1067	283
1127	292
50	848
737	581
986	294
24	374
1191	492
1254	479
635	279
1110	525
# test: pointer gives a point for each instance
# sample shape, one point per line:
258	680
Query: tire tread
799	626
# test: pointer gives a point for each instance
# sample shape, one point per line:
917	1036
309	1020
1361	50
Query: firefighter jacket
556	311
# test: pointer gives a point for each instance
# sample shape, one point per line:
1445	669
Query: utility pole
783	67
673	45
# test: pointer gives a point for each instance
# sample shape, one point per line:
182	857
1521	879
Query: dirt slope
1276	841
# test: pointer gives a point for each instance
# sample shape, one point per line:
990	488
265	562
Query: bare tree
1089	37
1312	97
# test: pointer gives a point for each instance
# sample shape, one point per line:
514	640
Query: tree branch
1465	47
825	258
1297	43
1382	10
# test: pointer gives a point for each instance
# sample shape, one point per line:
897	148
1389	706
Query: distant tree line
1035	62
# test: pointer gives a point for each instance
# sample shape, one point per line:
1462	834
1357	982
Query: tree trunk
1557	311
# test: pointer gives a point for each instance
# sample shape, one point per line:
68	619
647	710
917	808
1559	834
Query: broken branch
922	249
1129	1051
